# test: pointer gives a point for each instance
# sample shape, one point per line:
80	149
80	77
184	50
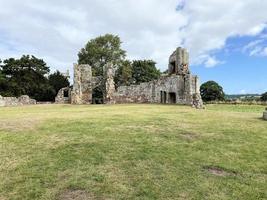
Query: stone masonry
109	84
63	96
179	62
178	87
14	101
82	85
265	114
174	89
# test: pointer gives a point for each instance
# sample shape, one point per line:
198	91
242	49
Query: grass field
133	152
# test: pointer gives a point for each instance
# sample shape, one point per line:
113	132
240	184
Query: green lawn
133	152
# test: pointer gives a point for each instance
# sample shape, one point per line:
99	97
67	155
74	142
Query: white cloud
252	44
152	29
57	30
208	61
257	29
211	62
212	22
256	48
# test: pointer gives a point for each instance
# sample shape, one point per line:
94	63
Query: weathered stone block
265	115
26	100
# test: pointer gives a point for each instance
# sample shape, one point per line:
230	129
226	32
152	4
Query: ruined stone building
177	87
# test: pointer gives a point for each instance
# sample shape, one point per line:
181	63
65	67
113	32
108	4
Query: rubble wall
14	101
61	98
82	85
183	87
265	114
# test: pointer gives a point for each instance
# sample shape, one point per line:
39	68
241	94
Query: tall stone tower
179	62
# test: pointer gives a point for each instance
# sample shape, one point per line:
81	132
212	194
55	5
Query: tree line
29	75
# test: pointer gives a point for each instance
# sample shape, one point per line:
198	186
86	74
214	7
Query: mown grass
133	152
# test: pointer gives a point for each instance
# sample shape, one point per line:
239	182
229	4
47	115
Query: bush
264	97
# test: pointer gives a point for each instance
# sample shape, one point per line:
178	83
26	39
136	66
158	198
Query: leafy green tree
123	75
212	91
24	76
101	50
58	81
144	71
264	97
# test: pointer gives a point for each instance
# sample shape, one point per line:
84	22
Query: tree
58	81
101	50
144	71
123	75
24	76
212	91
264	97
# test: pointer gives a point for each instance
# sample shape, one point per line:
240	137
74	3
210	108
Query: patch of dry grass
132	152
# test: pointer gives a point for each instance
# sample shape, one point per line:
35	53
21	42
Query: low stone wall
2	102
265	114
14	101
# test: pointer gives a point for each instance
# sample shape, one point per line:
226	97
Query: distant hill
242	96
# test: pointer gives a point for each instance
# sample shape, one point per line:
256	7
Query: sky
226	39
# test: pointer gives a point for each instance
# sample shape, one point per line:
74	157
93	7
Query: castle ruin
177	87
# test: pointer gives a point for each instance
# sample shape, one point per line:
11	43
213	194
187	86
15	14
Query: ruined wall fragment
82	85
265	114
109	73
179	62
61	97
151	92
178	87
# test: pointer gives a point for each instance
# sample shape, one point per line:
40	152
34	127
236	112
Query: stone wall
82	85
179	62
178	87
2	102
13	101
142	93
109	84
174	89
63	96
265	114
